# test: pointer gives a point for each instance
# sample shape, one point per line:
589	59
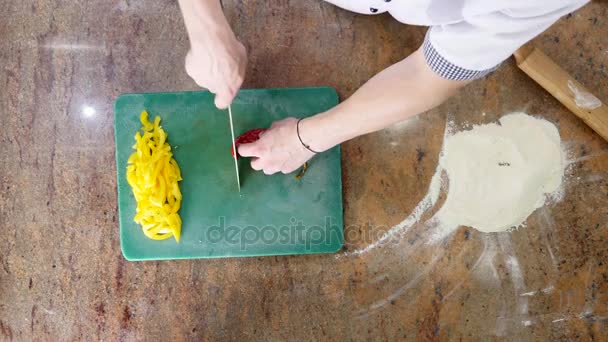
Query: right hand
217	63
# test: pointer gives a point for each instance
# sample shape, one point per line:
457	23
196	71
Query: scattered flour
499	174
582	98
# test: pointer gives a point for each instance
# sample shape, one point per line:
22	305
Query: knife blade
236	164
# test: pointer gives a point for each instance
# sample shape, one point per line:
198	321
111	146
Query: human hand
278	149
217	62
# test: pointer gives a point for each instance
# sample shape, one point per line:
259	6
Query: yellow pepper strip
153	174
302	171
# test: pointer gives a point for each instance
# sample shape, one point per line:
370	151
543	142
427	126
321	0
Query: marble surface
62	275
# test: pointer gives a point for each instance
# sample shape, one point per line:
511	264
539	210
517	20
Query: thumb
253	149
223	98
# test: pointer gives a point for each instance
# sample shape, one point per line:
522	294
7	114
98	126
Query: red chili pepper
247	138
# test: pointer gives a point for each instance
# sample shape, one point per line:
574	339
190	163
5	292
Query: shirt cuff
447	69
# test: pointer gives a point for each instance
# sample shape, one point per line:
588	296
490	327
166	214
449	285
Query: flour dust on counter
494	175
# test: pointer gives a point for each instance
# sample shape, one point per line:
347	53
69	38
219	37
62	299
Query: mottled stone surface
62	276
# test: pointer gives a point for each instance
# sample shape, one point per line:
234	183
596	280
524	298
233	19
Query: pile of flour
499	174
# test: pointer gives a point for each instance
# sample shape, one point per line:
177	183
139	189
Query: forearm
404	89
204	18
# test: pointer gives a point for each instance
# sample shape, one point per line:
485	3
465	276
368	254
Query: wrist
318	133
213	40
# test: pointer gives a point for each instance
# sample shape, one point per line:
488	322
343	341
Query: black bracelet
302	142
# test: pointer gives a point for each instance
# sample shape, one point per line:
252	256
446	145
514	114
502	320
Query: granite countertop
62	275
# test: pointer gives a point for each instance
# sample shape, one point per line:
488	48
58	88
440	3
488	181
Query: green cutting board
273	215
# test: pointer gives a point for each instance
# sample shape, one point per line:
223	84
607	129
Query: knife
236	164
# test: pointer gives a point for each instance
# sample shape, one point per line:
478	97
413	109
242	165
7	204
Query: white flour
499	174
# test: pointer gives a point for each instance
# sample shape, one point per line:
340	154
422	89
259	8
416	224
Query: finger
224	97
287	171
237	82
256	164
275	124
211	89
253	149
269	172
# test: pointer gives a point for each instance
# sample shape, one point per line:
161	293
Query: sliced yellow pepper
153	175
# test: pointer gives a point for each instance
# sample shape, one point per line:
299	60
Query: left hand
278	149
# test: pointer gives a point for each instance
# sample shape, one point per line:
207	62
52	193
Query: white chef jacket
467	39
